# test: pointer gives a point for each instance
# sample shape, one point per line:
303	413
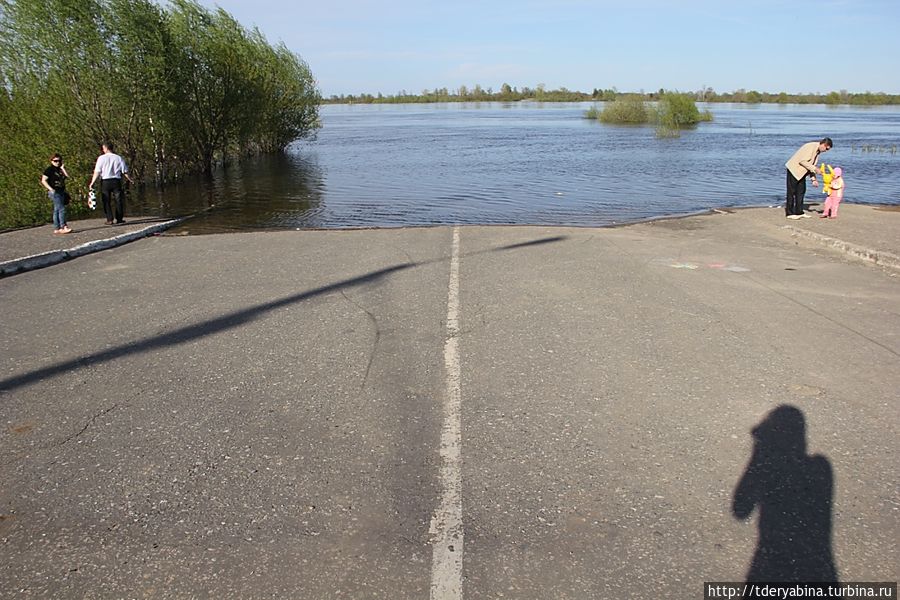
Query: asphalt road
266	415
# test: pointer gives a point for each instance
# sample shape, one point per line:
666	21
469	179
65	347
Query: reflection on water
529	163
269	192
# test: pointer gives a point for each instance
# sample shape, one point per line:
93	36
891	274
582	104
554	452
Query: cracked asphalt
258	415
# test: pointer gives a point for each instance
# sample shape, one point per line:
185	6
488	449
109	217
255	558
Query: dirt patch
5	524
807	391
21	428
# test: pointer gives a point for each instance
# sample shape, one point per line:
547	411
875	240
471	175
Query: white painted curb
45	259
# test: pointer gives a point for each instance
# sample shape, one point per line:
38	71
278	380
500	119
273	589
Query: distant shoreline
507	94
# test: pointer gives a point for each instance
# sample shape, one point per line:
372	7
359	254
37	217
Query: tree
141	55
678	110
175	89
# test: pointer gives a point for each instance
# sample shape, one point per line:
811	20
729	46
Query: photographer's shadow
793	492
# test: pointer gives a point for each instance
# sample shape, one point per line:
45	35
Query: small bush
631	110
675	112
592	113
679	110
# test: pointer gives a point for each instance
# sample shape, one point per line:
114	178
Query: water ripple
392	166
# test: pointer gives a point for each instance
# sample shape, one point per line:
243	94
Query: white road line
446	524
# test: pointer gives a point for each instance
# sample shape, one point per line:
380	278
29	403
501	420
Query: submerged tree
677	110
630	110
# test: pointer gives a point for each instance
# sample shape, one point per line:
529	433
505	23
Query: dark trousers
111	190
795	192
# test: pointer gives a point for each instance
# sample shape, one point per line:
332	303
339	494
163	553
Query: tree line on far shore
539	93
178	90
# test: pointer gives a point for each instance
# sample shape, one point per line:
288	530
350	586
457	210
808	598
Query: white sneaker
794	217
806	216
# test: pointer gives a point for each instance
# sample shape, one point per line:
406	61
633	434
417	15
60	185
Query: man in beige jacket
800	166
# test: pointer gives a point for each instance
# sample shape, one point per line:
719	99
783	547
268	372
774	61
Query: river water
530	163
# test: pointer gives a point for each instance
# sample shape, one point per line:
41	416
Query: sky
359	46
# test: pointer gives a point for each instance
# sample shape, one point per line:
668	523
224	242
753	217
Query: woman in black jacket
54	180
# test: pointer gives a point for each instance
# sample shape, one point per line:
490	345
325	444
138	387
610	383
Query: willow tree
206	78
141	62
42	114
239	94
67	60
78	72
177	89
291	108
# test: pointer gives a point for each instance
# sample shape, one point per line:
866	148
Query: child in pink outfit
835	195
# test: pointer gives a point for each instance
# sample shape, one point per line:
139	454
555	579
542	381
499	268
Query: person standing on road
800	166
111	168
54	181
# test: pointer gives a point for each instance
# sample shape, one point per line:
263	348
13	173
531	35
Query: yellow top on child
827	175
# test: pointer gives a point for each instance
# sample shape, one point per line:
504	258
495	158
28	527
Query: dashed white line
446	524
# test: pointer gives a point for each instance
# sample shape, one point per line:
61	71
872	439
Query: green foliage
604	95
512	94
176	90
466	94
833	98
673	112
626	110
676	111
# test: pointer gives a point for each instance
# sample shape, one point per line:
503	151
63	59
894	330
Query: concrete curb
46	259
878	257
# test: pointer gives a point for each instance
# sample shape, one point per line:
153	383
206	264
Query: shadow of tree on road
196	331
223	323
